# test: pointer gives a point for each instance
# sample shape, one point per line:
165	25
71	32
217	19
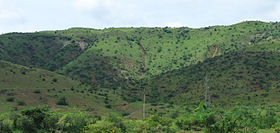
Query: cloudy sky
36	15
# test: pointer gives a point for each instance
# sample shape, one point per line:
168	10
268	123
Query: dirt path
216	50
143	57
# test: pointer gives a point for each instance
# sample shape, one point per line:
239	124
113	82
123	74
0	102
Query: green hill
123	59
128	54
101	80
122	56
38	49
23	87
247	76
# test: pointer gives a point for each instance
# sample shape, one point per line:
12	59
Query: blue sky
37	15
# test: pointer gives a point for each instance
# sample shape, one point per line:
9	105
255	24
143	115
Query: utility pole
207	96
144	102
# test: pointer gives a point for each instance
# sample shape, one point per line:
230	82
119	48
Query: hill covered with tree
241	61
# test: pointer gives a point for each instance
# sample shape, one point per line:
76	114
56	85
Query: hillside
122	60
127	54
144	52
247	76
23	87
39	50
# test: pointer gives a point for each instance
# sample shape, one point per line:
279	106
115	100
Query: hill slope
128	54
22	87
123	59
248	76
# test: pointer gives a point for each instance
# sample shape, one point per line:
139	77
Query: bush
25	124
102	127
109	106
125	113
62	101
37	115
6	123
136	126
54	80
110	124
40	119
21	103
10	99
37	91
74	122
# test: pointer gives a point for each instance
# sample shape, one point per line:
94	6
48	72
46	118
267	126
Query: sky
38	15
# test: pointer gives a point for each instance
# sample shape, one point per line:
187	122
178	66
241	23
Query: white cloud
9	12
6	15
274	14
86	5
18	15
89	5
10	16
109	3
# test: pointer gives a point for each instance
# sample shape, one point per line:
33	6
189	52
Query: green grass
266	131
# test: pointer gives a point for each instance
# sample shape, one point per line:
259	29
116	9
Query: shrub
37	114
25	124
62	101
21	103
6	123
10	99
37	91
136	126
54	80
109	106
125	113
102	127
74	122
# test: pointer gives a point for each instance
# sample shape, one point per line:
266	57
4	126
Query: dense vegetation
39	50
211	120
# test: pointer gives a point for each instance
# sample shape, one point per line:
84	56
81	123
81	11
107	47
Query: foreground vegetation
199	119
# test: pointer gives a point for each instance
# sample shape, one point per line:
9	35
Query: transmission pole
144	102
207	96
